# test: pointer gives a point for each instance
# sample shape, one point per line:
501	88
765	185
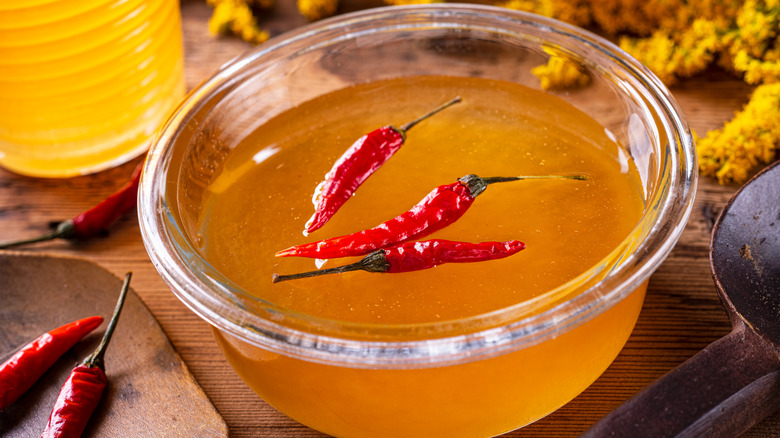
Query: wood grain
682	313
150	392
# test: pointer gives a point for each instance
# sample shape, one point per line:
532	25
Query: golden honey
84	84
261	199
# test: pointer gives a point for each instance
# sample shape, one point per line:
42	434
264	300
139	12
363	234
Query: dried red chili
441	207
359	162
95	220
27	365
415	256
82	391
78	398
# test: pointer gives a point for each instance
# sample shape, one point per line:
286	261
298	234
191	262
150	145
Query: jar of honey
84	84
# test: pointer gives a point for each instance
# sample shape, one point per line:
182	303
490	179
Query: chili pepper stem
96	358
374	262
409	125
64	230
477	184
497	179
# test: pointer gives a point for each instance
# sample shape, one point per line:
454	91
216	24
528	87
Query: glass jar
84	84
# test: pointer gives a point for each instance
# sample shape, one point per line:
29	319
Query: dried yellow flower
561	73
572	11
677	54
541	7
236	17
745	143
753	46
317	9
221	19
679	39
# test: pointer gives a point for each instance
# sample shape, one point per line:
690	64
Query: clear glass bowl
479	376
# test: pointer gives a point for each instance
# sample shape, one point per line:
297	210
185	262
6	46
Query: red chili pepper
25	367
82	391
359	162
441	207
95	220
78	398
415	256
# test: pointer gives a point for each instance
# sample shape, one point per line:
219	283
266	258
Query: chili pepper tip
26	366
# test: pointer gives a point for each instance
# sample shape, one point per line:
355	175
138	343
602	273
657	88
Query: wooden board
150	390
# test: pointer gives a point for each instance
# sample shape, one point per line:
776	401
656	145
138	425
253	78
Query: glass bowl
477	376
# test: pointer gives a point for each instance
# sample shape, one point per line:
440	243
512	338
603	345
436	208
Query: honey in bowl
260	200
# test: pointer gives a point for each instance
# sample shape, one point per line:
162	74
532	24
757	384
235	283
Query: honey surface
260	201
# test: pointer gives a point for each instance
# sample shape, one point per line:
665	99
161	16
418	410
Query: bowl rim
210	297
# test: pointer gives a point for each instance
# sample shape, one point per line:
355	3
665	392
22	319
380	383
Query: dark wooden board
150	391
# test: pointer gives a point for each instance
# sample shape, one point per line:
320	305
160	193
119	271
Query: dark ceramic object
734	382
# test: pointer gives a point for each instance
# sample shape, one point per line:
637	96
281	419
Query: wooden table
681	315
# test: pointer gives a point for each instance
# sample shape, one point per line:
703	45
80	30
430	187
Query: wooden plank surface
150	391
681	315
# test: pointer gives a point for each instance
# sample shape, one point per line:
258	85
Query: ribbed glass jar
84	84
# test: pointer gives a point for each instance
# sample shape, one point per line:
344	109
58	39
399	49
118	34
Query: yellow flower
682	54
756	28
679	39
221	19
235	17
572	11
561	73
317	9
541	7
745	143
